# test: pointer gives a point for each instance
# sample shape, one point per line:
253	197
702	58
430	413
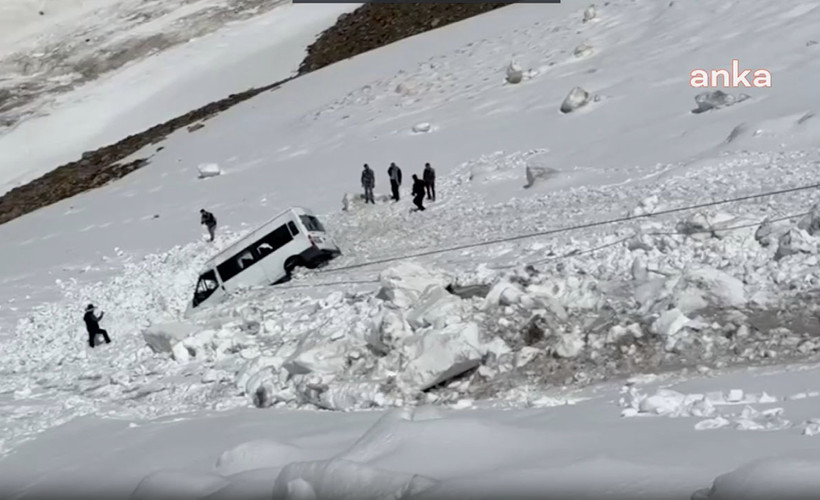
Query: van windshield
205	287
312	223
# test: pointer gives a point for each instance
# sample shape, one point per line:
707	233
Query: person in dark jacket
394	172
92	324
368	182
209	220
430	181
418	192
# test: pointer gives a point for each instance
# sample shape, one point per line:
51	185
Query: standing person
92	324
209	220
418	192
394	172
430	181
368	182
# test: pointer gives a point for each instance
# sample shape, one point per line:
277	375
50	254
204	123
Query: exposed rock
716	99
590	13
514	73
375	25
468	291
576	98
582	50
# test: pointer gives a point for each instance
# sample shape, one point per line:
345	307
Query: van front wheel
291	264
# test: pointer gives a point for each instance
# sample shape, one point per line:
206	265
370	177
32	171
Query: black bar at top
423	1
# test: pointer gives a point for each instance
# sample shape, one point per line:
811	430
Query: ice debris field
502	343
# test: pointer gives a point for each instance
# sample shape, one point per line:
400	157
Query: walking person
394	172
430	181
368	182
92	324
209	220
418	192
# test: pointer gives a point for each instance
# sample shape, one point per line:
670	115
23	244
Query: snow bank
257	454
787	478
164	336
177	485
716	409
340	479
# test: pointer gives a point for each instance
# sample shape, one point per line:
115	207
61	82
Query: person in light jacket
394	172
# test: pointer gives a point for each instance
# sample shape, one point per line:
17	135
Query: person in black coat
418	192
430	181
368	182
209	220
92	324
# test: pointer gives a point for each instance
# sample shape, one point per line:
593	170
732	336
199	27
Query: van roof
238	244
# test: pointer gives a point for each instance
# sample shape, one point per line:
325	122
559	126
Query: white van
268	255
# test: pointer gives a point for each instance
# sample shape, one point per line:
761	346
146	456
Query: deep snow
610	300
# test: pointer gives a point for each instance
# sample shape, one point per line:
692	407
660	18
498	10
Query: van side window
293	229
263	249
206	286
251	255
238	263
278	238
312	223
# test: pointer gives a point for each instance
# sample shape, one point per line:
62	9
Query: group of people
426	186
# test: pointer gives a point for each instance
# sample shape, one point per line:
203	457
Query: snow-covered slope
144	64
608	300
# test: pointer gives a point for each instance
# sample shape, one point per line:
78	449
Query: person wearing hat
209	220
92	324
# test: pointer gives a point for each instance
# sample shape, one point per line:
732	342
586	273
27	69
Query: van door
206	287
316	233
271	247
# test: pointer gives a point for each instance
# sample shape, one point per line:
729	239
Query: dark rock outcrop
375	25
368	27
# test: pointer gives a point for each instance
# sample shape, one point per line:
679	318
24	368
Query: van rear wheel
291	264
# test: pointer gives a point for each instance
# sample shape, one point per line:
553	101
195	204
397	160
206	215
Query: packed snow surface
437	343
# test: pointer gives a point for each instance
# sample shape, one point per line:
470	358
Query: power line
575	252
572	228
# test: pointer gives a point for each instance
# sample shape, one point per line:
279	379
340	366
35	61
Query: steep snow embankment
682	290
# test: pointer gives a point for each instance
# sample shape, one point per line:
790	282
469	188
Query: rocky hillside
376	25
368	27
